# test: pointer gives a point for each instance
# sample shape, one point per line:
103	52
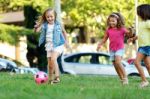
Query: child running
116	32
143	12
53	35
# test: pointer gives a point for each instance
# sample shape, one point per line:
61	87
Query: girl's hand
98	47
68	46
130	40
36	27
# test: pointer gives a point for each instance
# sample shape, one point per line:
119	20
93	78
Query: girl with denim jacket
53	35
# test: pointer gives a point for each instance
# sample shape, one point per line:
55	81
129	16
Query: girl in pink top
116	33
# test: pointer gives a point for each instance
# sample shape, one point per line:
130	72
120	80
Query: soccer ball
40	77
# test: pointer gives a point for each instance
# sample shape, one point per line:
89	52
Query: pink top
116	37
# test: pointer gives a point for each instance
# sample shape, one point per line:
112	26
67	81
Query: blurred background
84	21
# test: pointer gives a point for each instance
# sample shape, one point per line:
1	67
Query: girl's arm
129	32
65	36
131	39
37	27
64	33
103	41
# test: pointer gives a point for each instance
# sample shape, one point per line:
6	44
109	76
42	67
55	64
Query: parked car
10	66
7	65
94	63
27	70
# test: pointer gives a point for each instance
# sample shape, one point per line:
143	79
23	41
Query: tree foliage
143	1
93	13
88	15
31	10
11	33
15	5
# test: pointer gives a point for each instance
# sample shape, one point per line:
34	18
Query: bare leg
50	69
55	64
147	63
137	63
118	72
121	69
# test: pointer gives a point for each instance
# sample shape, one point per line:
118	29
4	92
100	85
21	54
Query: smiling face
112	22
50	17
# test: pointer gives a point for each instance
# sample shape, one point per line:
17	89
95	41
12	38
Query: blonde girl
53	35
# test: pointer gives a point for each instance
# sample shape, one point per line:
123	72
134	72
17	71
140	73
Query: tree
31	9
89	16
83	13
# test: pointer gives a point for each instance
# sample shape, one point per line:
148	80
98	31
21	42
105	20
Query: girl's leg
121	69
118	71
50	69
147	63
137	63
55	64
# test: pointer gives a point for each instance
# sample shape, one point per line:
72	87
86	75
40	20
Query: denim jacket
58	38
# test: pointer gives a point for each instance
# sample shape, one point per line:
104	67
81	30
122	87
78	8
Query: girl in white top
54	37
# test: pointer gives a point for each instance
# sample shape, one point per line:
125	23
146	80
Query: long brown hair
42	18
119	17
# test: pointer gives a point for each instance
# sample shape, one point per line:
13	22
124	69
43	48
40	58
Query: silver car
27	70
94	63
7	65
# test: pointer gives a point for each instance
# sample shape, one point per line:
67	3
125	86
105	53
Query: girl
116	33
143	11
54	38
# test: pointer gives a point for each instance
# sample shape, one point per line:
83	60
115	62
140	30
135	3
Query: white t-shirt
49	32
49	37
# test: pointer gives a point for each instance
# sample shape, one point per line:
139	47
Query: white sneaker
144	84
125	81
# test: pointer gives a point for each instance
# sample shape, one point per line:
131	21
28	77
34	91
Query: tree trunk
82	35
57	7
17	52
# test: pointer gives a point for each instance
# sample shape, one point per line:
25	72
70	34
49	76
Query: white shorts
58	49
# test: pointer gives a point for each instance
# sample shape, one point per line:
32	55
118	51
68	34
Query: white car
27	70
7	65
94	63
10	66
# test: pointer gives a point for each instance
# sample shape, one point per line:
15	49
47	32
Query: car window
105	60
85	59
80	58
89	59
73	59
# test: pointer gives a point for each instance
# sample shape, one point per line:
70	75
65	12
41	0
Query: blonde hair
42	18
119	17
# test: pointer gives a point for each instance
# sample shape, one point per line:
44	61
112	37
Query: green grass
71	87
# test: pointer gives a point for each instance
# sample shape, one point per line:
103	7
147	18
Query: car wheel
134	74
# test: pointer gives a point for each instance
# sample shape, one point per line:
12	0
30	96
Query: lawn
71	87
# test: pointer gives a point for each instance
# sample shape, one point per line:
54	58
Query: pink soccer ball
41	77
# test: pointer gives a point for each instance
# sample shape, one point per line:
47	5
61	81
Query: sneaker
125	81
50	82
144	84
56	80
